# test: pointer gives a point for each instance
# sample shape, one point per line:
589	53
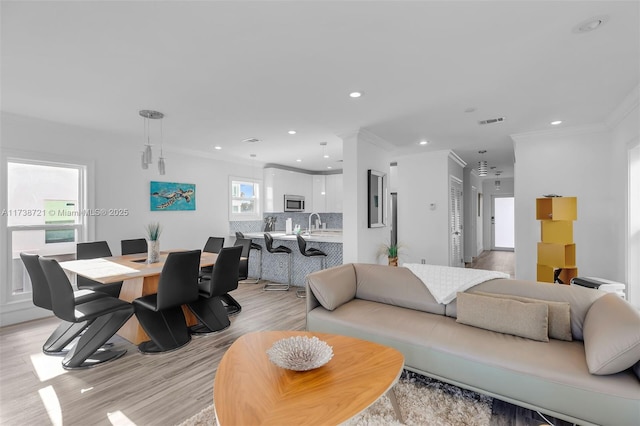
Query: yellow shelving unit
556	251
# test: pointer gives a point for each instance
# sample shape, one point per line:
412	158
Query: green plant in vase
391	250
153	242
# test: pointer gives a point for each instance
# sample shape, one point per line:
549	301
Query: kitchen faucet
319	223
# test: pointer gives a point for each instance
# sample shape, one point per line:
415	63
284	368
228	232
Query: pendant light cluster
147	153
482	165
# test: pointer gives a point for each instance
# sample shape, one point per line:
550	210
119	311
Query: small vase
393	261
153	251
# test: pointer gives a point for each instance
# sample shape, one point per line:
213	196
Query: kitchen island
274	266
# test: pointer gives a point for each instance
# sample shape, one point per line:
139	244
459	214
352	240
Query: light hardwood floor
136	389
145	389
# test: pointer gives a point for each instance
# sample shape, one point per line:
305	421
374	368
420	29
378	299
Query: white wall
362	151
471	188
423	232
571	162
120	182
489	192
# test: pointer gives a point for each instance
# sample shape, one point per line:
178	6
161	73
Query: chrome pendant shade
147	153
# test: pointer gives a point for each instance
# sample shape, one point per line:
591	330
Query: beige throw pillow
559	314
611	335
530	320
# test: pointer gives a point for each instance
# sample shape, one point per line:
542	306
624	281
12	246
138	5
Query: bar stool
268	242
310	252
258	248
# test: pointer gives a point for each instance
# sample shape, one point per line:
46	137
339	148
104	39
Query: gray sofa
392	306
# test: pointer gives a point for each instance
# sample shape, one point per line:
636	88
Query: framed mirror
376	189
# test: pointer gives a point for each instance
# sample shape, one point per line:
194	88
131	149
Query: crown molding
625	108
455	157
569	131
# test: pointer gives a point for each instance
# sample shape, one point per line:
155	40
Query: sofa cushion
580	298
530	320
333	287
394	286
611	335
559	314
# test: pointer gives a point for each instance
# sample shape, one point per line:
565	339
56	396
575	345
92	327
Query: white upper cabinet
333	194
278	182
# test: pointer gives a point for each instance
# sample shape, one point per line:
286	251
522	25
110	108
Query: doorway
503	223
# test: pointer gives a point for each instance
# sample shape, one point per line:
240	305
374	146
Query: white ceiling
223	71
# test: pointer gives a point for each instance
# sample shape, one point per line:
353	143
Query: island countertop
322	236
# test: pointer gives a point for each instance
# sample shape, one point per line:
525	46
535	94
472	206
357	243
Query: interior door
456	254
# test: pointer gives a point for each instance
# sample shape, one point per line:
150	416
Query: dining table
138	277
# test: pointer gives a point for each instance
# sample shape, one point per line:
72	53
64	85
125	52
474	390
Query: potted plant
391	251
153	242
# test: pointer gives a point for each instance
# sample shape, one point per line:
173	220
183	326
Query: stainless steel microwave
293	203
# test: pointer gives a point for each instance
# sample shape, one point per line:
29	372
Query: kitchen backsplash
333	221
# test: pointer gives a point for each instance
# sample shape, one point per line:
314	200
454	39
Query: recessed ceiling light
299	160
329	167
355	94
555	123
423	142
292	132
590	24
251	140
217	147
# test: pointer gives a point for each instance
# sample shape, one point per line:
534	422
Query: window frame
257	215
85	227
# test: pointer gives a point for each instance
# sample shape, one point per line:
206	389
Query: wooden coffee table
250	390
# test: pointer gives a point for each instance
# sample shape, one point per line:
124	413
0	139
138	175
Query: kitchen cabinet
327	194
278	182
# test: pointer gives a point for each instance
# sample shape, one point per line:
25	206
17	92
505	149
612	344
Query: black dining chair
104	317
213	245
268	242
309	252
160	314
92	250
254	246
209	309
134	246
64	334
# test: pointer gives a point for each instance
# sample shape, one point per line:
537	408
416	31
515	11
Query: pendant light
482	165
147	154
161	167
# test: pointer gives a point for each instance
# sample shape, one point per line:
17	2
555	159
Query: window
44	215
245	199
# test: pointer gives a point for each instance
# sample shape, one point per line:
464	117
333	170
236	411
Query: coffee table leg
394	402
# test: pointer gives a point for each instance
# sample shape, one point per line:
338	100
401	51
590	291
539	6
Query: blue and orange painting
172	196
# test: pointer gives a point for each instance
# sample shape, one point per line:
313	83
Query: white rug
421	400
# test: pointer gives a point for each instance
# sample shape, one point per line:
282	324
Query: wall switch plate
423	261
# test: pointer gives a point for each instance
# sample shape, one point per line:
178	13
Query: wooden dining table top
120	268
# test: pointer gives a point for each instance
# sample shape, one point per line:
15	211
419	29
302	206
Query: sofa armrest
331	287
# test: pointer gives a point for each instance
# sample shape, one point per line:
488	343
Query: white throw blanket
445	281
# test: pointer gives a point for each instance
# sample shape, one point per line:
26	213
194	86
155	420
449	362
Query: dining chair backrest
134	246
178	283
214	245
62	300
40	293
225	272
93	249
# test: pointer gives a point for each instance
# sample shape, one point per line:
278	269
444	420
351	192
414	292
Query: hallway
503	261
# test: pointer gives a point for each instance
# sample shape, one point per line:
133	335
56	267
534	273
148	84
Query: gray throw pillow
529	320
559	314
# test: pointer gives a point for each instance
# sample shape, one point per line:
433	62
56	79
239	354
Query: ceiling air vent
491	121
251	140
